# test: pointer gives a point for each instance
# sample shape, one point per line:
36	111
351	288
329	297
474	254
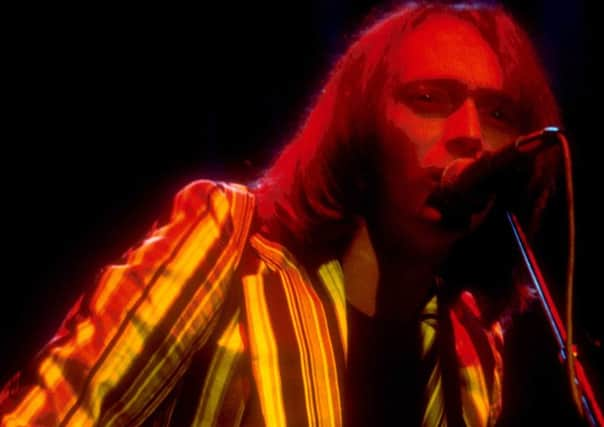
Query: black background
110	109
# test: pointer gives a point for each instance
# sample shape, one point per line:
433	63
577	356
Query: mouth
433	184
433	210
430	213
435	174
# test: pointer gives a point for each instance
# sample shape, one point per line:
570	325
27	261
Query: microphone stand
461	185
589	407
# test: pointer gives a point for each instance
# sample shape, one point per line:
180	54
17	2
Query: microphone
466	186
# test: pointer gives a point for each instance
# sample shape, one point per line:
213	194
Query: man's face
444	101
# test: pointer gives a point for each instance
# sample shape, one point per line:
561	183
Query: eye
430	95
426	100
498	115
501	112
424	97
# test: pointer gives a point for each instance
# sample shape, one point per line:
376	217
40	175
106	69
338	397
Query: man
332	291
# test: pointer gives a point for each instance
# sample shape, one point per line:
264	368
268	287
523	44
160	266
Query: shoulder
218	197
205	214
230	206
219	211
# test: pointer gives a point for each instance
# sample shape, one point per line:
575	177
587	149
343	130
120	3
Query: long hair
322	181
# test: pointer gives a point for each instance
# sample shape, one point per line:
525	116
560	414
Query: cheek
420	133
495	139
403	138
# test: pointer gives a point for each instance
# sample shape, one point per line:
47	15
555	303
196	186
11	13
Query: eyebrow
446	81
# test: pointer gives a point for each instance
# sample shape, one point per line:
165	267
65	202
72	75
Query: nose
461	133
463	147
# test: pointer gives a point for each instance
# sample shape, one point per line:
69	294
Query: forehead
443	46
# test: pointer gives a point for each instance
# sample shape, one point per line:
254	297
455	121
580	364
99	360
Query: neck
387	284
403	288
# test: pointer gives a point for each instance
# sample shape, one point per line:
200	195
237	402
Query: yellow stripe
304	359
120	288
428	325
263	349
151	312
314	323
51	373
435	407
111	279
474	394
428	334
194	317
324	367
495	392
230	348
434	411
34	401
192	320
475	401
332	276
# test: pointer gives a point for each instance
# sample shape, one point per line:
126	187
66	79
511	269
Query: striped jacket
207	324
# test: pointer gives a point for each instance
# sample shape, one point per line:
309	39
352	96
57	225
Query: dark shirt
384	377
